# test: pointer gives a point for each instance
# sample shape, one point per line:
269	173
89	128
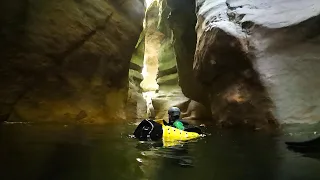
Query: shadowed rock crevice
182	21
172	70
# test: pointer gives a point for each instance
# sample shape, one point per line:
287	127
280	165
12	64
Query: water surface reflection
61	152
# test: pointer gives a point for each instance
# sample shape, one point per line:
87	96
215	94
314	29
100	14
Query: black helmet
174	111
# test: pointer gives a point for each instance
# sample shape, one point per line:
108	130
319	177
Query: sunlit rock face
136	104
136	62
66	60
160	63
168	74
153	38
176	82
259	60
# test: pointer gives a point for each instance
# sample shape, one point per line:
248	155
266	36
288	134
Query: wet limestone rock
182	20
193	110
136	104
136	63
66	61
172	81
258	60
160	50
286	47
177	85
224	66
167	77
153	38
168	73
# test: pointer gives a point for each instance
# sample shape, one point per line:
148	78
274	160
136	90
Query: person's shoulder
179	121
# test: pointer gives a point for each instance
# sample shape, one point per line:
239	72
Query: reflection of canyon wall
66	60
250	51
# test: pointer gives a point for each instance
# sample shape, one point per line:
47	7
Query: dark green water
57	152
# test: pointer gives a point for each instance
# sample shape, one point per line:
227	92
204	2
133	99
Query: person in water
174	118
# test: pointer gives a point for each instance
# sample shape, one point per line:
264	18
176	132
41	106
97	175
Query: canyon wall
175	46
258	60
66	61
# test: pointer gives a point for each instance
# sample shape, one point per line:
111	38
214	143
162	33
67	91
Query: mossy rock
138	55
172	79
135	77
167	57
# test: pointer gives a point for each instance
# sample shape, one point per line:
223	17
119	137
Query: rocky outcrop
136	104
253	56
66	60
288	59
160	62
136	63
177	85
168	73
153	37
182	21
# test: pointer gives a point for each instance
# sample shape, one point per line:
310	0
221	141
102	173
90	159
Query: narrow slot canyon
160	80
213	59
212	64
79	78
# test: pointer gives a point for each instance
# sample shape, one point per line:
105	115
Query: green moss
167	58
138	55
135	78
163	24
135	74
171	79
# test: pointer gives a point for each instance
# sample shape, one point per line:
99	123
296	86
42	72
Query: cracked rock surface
66	60
258	60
